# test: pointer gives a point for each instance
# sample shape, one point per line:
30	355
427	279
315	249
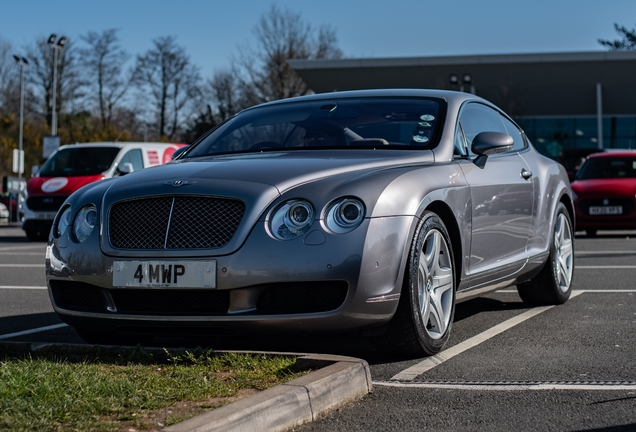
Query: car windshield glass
409	123
608	167
79	161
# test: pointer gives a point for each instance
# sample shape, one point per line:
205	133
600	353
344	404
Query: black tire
590	232
422	323
97	337
553	284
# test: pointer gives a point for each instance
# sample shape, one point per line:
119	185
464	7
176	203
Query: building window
552	136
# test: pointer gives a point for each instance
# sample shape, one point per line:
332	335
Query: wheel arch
569	206
446	215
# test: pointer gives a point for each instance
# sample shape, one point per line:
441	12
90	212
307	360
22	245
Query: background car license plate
165	274
45	215
606	210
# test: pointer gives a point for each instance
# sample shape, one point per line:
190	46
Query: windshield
80	161
330	123
608	167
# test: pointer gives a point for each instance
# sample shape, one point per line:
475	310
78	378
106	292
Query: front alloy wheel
435	285
424	316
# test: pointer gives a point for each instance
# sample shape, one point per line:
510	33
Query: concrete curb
338	380
299	401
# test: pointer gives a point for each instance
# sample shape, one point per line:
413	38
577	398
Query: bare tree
40	76
103	60
226	93
283	35
627	41
171	81
9	80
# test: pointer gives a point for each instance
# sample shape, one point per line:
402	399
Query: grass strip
113	389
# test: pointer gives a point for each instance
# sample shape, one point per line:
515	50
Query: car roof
613	153
447	95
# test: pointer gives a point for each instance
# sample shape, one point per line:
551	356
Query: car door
501	198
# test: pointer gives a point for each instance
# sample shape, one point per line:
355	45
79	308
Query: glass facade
554	136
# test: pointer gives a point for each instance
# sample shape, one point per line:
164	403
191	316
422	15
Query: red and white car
75	165
605	192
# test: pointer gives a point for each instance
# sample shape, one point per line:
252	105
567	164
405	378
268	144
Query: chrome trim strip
165	241
384	298
197	318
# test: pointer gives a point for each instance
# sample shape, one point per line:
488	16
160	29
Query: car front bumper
320	282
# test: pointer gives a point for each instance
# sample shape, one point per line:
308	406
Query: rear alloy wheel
424	317
553	284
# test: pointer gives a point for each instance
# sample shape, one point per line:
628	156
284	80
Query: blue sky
211	31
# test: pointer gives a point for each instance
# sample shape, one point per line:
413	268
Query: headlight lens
291	219
85	222
344	215
63	222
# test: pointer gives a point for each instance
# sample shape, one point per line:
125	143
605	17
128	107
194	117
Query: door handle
526	174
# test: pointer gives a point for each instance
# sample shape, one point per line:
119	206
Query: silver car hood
255	178
282	170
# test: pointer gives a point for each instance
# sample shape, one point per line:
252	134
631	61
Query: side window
476	118
515	133
460	147
135	158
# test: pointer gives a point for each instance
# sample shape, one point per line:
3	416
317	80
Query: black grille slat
46	203
214	226
78	296
302	297
140	224
195	222
171	302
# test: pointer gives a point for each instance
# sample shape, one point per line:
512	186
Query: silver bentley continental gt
367	211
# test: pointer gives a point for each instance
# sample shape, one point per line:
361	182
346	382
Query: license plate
45	215
606	210
165	274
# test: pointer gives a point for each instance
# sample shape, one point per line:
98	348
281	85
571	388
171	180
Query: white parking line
21	265
510	291
512	386
428	363
603	267
22	247
42	254
577	253
35	330
17	287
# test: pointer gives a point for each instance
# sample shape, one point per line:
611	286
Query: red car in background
605	192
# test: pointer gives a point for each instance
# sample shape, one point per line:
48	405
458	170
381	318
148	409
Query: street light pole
56	47
22	62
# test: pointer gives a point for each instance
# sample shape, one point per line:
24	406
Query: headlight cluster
293	218
83	224
344	215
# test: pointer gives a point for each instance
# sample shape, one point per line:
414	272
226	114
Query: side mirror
125	168
488	143
178	152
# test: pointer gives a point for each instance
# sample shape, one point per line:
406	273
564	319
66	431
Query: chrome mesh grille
179	222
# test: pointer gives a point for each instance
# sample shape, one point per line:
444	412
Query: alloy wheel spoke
437	318
432	250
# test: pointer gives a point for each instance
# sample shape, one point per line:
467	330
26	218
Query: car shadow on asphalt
472	307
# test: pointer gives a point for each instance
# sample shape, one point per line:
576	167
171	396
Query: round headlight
85	222
291	219
63	222
344	215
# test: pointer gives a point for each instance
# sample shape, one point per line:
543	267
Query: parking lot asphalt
568	367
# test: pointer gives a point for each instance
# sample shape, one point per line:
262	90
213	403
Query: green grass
104	391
